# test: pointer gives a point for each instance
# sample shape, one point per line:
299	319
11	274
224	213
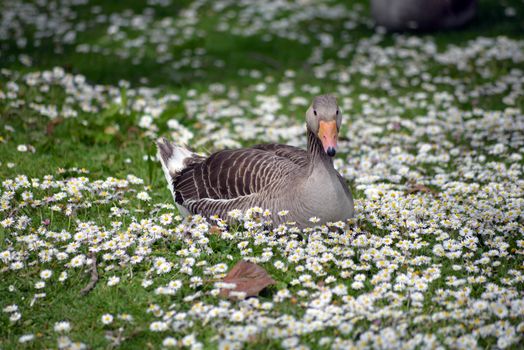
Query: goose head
323	119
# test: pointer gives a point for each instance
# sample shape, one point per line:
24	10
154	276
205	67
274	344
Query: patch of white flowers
433	258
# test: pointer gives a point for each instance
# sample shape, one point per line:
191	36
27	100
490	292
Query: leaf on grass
248	278
215	230
50	127
421	188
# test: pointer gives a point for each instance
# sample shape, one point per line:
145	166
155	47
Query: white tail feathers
172	158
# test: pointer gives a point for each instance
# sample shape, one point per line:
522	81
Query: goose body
422	14
272	176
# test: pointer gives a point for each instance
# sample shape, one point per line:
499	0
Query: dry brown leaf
248	278
50	128
421	188
215	230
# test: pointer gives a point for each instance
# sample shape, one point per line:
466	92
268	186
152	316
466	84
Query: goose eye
315	112
337	111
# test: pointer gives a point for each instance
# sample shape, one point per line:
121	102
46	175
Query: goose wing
294	154
232	179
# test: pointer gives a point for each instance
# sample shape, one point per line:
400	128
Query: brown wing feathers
232	175
294	154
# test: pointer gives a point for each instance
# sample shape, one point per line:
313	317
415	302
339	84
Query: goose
422	14
276	177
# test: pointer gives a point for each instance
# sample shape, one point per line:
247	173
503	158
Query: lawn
432	148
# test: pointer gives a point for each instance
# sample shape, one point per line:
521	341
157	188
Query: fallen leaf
248	277
421	188
50	128
215	230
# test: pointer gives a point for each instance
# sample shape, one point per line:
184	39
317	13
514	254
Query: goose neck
316	151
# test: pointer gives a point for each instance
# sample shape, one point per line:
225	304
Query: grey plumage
422	14
272	176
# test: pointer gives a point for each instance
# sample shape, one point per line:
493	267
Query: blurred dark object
422	15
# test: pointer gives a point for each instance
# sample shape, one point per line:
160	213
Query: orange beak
328	134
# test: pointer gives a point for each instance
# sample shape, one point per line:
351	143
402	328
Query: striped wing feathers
233	175
294	154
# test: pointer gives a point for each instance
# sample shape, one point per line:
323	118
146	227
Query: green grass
105	153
